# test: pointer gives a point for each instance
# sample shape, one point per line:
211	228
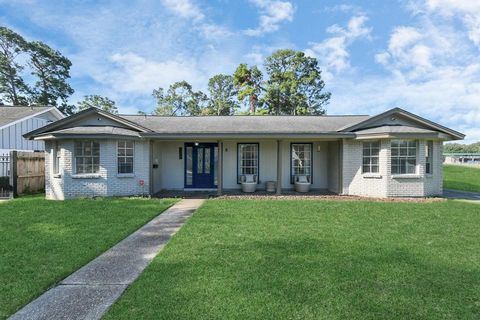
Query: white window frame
405	151
308	169
83	157
429	157
369	158
252	168
125	156
56	159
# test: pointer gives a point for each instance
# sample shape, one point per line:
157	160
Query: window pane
247	160
189	164
207	161
301	163
371	151
96	148
403	157
78	148
200	160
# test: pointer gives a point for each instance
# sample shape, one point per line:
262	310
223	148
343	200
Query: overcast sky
422	55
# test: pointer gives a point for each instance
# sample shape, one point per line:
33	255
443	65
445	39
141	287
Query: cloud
187	9
332	52
133	73
273	13
184	8
432	69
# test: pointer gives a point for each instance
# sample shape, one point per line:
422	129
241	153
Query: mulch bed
323	197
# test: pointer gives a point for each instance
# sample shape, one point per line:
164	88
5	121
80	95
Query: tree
12	86
222	93
295	84
179	100
462	148
249	84
98	102
52	70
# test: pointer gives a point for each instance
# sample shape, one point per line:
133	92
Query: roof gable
400	117
10	115
91	117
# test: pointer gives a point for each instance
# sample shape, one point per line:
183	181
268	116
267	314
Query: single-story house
95	153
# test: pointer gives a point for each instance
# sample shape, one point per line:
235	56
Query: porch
180	167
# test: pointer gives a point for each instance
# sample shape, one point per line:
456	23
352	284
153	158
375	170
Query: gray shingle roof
92	130
244	124
394	129
10	114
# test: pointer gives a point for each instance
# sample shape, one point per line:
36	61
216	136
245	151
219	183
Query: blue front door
200	165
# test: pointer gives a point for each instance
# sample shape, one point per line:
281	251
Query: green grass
315	260
41	241
461	178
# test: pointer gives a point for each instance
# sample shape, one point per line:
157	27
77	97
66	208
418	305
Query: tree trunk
253	103
14	96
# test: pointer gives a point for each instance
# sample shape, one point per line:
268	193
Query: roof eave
49	127
63	136
405	135
274	135
457	135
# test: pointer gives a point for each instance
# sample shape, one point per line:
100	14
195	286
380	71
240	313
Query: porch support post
220	168
279	167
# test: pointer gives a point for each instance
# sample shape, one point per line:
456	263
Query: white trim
127	174
86	176
33	116
406	176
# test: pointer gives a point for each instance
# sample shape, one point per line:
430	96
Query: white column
220	168
279	167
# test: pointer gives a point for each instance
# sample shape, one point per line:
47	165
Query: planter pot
249	187
302	186
270	186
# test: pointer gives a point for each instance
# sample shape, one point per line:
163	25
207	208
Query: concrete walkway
90	291
461	195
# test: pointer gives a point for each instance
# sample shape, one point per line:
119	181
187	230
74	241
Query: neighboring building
94	153
462	158
17	120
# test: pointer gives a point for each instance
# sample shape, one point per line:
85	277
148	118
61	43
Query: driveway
461	195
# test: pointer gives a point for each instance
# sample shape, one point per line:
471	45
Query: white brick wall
109	183
357	183
385	184
106	183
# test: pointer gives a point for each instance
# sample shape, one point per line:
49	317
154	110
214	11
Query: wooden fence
27	172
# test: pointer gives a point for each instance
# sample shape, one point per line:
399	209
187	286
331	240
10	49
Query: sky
420	55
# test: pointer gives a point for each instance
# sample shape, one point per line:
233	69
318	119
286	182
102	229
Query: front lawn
241	259
42	242
465	178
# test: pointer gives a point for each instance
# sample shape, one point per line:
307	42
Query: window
125	156
247	160
429	157
404	157
56	159
87	157
370	157
189	165
301	161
